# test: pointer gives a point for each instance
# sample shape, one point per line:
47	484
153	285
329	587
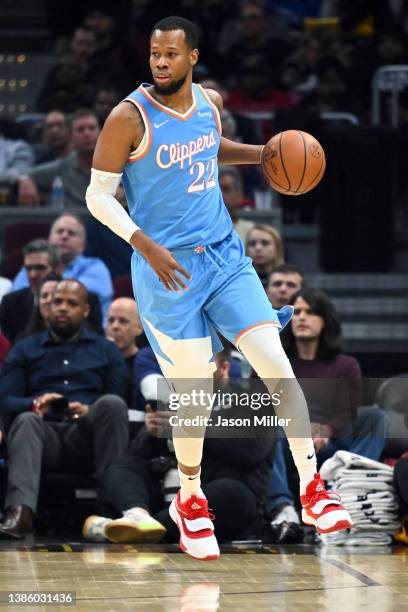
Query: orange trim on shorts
166	109
136	156
248	329
214	109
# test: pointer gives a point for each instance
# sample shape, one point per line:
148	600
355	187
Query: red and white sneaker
197	537
323	508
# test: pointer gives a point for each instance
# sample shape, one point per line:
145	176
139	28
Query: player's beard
171	88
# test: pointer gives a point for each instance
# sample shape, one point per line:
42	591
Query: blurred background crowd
331	67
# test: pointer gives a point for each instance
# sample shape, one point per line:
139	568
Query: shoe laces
319	495
201	512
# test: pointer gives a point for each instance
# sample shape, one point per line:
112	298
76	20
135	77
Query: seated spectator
265	247
254	92
66	85
68	235
124	328
330	93
105	100
74	170
4	349
56	138
256	36
234	473
16	159
95	426
5	286
40	316
313	344
107	62
40	258
21	312
283	282
230	182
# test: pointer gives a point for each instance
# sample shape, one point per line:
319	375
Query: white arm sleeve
102	204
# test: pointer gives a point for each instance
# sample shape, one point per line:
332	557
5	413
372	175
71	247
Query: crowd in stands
78	379
78	397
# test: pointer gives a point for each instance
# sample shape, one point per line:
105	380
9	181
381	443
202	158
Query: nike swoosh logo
157	125
193	478
311	456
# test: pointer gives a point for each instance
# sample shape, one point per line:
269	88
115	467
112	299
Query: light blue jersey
171	180
171	185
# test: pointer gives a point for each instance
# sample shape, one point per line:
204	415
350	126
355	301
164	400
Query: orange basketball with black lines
293	162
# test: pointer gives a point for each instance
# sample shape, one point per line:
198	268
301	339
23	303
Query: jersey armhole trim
146	142
215	110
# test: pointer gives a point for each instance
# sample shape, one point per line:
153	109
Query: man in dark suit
77	371
16	308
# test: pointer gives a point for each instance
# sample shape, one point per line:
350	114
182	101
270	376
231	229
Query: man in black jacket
81	373
16	308
234	474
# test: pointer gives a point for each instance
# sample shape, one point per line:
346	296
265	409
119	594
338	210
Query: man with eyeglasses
40	258
284	281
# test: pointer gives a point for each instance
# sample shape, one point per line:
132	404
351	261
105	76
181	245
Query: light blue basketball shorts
224	295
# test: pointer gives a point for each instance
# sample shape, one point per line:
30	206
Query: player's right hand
162	261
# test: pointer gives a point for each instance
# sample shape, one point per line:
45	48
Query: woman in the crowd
264	245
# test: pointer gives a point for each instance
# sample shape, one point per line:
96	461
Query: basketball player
190	274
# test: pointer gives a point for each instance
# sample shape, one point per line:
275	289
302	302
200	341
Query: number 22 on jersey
203	174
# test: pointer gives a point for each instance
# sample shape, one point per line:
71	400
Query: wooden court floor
246	578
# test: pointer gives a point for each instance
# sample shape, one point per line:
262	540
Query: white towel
345	459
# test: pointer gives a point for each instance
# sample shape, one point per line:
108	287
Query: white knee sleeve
263	349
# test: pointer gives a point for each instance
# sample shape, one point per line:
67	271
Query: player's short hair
179	23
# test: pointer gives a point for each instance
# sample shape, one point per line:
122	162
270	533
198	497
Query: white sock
304	457
190	485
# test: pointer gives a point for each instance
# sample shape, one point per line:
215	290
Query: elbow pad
102	204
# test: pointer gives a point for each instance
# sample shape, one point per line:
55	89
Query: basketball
293	162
